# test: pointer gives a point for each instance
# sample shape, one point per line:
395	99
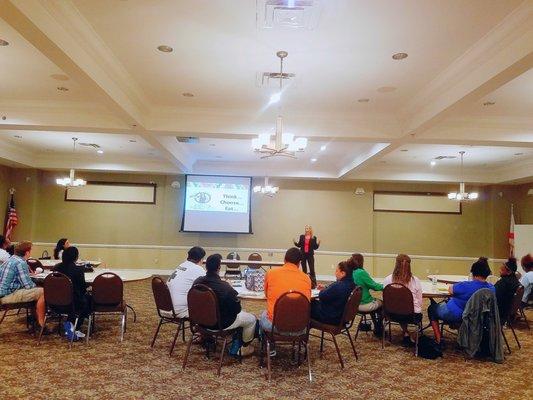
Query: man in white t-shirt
181	280
4	244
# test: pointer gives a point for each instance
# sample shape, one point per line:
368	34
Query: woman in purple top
452	311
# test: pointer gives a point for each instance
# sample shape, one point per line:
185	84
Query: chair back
292	313
352	306
516	302
254	257
162	298
58	292
33	264
108	289
233	256
203	306
397	300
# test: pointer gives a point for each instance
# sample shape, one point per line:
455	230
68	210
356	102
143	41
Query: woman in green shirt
368	303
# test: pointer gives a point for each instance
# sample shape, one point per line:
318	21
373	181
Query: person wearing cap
527	279
181	280
506	287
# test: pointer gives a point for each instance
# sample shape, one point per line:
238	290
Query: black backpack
428	348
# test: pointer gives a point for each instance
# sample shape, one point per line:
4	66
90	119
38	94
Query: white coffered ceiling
462	54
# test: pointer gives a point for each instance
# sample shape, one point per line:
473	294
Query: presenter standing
308	244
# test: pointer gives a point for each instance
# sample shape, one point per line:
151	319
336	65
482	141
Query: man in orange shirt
281	280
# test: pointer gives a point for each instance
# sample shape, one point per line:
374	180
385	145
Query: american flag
511	233
12	219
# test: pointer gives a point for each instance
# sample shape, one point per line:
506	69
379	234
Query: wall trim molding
262	250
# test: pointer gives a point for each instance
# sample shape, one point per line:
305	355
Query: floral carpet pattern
108	369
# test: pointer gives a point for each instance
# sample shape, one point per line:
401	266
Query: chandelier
462	194
284	144
266	189
70	181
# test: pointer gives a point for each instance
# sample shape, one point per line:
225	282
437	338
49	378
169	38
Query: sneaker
234	347
273	353
80	335
68	328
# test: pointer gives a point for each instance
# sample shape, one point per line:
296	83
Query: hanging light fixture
70	181
462	194
266	189
285	144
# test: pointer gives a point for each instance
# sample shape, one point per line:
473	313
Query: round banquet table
125	275
53	263
246	294
440	290
449	278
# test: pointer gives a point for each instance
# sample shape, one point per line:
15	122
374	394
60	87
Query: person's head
70	255
309	230
61	245
356	261
212	264
196	254
293	256
4	242
480	269
402	269
11	249
343	270
527	262
509	267
23	249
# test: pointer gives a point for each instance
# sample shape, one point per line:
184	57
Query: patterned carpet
108	369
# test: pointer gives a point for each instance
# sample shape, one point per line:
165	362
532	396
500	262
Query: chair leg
515	337
41	331
183	330
187	352
523	314
174	341
3	316
156	332
390	332
133	311
505	340
222	353
418	328
353	345
89	320
321	343
268	359
308	355
123	326
338	350
383	333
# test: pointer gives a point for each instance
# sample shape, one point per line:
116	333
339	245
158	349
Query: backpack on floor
428	348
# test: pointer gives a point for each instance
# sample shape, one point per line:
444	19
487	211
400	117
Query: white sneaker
80	335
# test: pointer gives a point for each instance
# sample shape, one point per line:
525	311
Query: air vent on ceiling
292	14
445	157
187	139
96	146
271	79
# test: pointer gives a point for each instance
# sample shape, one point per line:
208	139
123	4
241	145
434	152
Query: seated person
181	280
4	244
506	287
231	314
82	299
365	281
402	274
452	311
16	285
329	307
281	280
527	280
61	245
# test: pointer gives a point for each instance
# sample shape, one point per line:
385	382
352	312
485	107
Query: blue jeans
441	312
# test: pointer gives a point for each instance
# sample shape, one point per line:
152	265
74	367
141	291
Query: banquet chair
254	257
33	264
510	317
398	308
59	299
290	325
108	299
343	328
165	310
233	270
204	311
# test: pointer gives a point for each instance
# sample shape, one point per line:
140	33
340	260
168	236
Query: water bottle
434	281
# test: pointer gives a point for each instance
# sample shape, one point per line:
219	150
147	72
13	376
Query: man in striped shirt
16	285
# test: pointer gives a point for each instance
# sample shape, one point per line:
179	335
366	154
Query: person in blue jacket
331	301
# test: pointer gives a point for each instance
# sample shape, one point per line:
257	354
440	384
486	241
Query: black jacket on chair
313	245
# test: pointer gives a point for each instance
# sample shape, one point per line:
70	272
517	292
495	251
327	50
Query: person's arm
24	275
370	283
317	243
329	293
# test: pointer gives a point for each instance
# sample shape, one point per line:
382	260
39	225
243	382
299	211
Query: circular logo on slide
202	197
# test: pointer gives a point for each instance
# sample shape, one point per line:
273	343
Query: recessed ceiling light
211	144
363	100
313	159
433	163
132	141
489	103
62	89
518	154
404	150
100	151
165	49
386	89
3	42
17	136
187	94
323	147
400	56
59	77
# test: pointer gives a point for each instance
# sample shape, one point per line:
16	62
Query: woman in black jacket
82	299
308	244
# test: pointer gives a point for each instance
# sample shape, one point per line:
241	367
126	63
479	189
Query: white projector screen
523	240
217	204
